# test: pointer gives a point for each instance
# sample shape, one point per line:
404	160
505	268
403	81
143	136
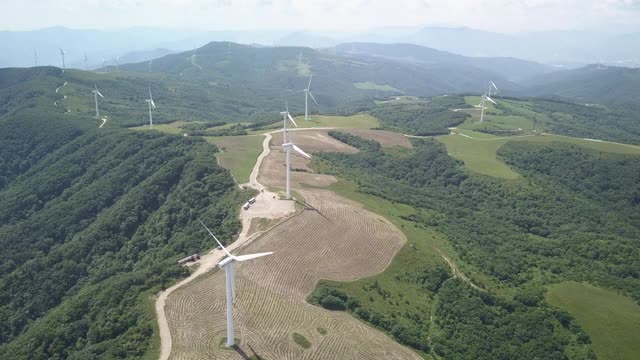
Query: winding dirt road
267	205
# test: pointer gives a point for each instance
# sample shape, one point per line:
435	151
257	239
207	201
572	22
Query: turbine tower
35	56
227	265
62	54
96	93
86	67
288	145
307	93
485	97
151	105
150	62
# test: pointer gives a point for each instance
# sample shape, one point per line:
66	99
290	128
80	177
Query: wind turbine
227	265
307	93
288	145
151	105
35	56
86	68
485	97
96	93
117	62
62	54
492	85
150	62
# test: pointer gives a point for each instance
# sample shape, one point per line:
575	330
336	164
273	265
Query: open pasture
611	320
336	240
478	150
357	121
238	154
385	138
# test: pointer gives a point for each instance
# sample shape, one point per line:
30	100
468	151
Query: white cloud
342	15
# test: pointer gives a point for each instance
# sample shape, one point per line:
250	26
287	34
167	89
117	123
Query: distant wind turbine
150	62
96	93
62	54
485	97
117	62
288	145
86	67
152	106
307	93
227	265
35	56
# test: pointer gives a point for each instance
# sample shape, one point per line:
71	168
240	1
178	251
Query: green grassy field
358	121
480	155
369	85
238	154
611	320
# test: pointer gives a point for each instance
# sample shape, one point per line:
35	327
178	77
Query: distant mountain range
563	49
589	84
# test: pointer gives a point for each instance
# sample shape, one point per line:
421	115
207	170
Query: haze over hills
590	84
564	48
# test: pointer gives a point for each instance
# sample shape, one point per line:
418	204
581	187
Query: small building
252	200
246	206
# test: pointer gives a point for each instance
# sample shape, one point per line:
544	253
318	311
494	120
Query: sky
505	16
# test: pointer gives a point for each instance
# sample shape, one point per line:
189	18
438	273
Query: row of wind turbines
86	59
227	263
152	104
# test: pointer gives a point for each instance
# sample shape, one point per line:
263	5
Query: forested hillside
92	223
569	218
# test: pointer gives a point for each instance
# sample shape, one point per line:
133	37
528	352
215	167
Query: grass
171	128
373	86
301	340
238	154
358	121
611	320
480	155
322	330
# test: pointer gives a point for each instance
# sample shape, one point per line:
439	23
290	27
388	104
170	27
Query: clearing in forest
238	154
478	150
611	320
357	121
337	240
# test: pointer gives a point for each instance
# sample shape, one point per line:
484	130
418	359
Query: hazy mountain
17	47
590	83
509	68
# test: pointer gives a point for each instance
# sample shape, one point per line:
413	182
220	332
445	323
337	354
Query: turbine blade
309	85
488	98
286	103
314	99
100	94
291	119
153	105
251	256
494	86
299	151
218	241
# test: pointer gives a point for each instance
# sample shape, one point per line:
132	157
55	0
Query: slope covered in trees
92	222
569	218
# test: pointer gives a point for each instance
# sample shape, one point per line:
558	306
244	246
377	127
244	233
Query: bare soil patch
339	240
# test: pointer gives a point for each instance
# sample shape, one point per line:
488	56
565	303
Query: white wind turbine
96	93
288	145
227	265
62	54
307	93
485	97
86	67
35	56
151	105
150	62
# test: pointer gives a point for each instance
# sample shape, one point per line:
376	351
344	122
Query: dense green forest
92	222
570	217
616	121
423	118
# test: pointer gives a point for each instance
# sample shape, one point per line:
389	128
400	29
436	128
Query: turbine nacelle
296	149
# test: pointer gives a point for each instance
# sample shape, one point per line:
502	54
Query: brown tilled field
338	241
272	170
314	141
385	138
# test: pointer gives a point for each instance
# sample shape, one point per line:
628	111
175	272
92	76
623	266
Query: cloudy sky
334	15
